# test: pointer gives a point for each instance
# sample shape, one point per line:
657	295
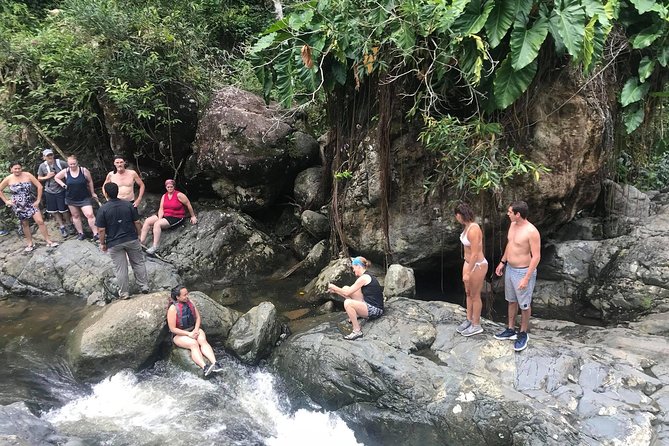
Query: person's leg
355	296
138	263
25	225
205	348
90	216
158	227
465	281
525	319
148	224
476	279
193	346
355	308
42	227
76	219
512	312
120	261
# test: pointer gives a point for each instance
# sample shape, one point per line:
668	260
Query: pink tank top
173	207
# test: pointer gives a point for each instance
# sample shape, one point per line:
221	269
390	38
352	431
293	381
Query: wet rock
128	333
338	272
412	372
624	206
96	298
316	260
19	427
309	189
254	335
302	244
315	223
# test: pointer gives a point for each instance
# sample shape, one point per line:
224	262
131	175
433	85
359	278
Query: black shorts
174	221
55	202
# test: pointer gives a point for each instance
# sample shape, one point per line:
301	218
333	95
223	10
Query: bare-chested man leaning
125	179
520	259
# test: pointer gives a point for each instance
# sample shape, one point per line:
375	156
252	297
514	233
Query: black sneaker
507	335
81	236
208	369
217	367
96	237
63	232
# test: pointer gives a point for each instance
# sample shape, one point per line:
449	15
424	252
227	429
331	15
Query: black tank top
77	187
372	293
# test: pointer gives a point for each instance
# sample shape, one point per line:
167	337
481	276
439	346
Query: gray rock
308	190
315	223
399	282
316	260
250	150
225	247
584	228
654	324
19	427
411	372
96	298
302	244
75	267
254	335
127	334
338	272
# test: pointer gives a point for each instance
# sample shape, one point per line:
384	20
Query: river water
240	406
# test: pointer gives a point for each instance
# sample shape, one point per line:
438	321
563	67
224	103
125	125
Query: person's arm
60	176
346	293
3	185
44	176
475	237
107	180
535	252
39	187
102	234
161	211
186	202
140	183
91	187
198	321
172	322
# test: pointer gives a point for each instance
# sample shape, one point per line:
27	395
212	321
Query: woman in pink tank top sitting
172	212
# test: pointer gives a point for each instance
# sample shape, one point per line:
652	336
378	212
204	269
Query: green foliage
469	158
93	64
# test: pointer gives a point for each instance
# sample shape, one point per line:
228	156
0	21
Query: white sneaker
463	326
472	330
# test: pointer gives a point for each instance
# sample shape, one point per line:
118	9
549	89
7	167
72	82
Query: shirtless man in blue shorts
519	266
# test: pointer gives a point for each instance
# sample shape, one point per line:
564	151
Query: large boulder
254	335
309	190
224	247
19	427
128	333
75	267
250	151
411	372
399	282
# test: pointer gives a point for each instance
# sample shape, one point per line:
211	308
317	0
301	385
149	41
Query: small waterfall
240	406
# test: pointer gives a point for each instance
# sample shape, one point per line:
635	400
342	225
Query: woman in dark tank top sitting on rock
364	298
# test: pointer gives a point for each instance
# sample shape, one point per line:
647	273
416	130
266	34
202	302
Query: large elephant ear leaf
570	25
526	42
510	84
500	20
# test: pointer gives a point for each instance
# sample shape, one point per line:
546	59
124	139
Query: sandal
353	335
29	248
52	244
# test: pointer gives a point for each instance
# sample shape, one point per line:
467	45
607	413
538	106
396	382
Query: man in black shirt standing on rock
119	227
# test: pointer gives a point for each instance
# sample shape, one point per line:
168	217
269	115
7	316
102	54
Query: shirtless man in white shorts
519	266
125	179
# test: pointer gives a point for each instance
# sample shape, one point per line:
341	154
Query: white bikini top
463	237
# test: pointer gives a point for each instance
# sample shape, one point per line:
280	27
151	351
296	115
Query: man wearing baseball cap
54	194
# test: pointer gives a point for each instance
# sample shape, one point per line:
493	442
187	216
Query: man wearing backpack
54	194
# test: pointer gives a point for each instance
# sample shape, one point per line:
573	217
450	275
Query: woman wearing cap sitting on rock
362	299
171	213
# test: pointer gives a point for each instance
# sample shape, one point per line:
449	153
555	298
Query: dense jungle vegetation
110	76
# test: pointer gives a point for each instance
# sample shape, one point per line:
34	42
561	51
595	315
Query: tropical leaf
474	17
646	68
589	44
570	24
285	80
510	84
633	91
526	43
263	43
663	57
594	8
633	117
553	28
405	39
500	20
647	36
644	6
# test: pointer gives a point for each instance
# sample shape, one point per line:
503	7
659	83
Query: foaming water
240	406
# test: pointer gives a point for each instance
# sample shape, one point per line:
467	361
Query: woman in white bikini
473	270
